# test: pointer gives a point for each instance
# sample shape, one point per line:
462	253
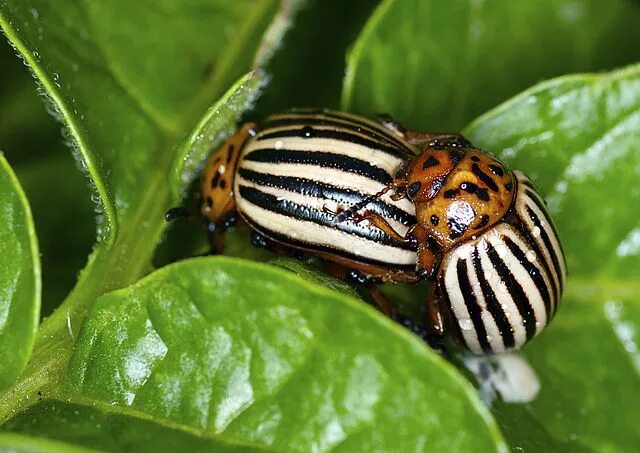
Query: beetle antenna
351	211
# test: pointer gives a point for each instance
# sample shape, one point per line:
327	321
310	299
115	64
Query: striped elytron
399	205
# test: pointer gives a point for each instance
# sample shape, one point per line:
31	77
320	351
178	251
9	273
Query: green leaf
579	139
19	277
259	355
129	100
314	274
103	428
436	65
18	443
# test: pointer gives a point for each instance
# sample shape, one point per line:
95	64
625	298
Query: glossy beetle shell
302	169
355	193
503	287
487	238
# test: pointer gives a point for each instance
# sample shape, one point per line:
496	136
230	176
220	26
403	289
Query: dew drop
531	255
308	132
279	144
535	231
465	323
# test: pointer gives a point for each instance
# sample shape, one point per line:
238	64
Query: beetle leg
430	139
380	222
383	304
435	322
416	137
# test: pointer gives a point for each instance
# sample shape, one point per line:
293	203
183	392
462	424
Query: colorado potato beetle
398	205
293	180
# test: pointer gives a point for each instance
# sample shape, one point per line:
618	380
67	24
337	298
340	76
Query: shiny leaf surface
20	283
63	426
436	65
293	369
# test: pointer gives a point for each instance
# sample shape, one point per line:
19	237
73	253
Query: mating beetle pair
398	205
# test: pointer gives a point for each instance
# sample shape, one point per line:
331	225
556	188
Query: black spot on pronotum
484	220
482	194
508	186
497	170
308	132
430	162
485	178
214	180
223	184
456	155
435	220
230	150
475	158
451	193
209	202
468	187
413	189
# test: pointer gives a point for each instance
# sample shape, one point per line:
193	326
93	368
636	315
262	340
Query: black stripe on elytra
518	296
350	125
371	124
321	159
334	135
446	300
300	212
533	272
485	178
525	231
547	244
537	199
493	306
307	246
472	304
319	189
